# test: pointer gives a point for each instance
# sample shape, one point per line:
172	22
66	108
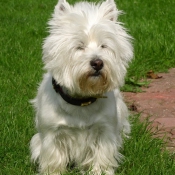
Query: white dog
80	114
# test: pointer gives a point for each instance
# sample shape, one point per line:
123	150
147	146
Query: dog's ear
109	10
62	7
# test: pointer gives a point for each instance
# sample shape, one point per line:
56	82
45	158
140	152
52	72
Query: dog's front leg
105	149
53	157
106	158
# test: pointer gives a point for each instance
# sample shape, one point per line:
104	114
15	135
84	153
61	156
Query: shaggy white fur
87	53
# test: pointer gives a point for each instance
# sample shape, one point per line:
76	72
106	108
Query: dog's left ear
109	10
62	7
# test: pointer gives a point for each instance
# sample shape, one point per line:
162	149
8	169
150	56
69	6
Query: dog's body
86	55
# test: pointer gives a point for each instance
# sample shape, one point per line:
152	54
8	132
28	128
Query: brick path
158	102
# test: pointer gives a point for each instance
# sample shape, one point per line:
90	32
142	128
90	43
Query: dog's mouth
95	74
94	82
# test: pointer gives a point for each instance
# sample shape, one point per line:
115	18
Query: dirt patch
157	101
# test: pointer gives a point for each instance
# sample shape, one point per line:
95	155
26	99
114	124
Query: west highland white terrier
80	114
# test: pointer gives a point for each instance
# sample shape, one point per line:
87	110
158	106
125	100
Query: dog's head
87	50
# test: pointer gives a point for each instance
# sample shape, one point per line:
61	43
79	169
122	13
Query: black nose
97	64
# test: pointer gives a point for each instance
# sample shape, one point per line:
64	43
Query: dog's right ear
62	7
109	10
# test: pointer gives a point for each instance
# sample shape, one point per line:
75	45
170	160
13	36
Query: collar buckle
86	103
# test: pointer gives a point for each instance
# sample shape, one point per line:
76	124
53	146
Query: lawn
23	25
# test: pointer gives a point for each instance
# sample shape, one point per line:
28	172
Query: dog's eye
80	48
104	46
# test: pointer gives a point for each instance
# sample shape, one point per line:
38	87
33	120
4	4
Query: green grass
151	24
143	155
22	29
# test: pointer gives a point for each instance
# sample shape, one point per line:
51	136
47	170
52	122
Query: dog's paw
98	171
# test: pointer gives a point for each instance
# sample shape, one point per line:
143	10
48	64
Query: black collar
71	100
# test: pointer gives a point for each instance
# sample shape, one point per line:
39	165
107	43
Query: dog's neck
69	99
